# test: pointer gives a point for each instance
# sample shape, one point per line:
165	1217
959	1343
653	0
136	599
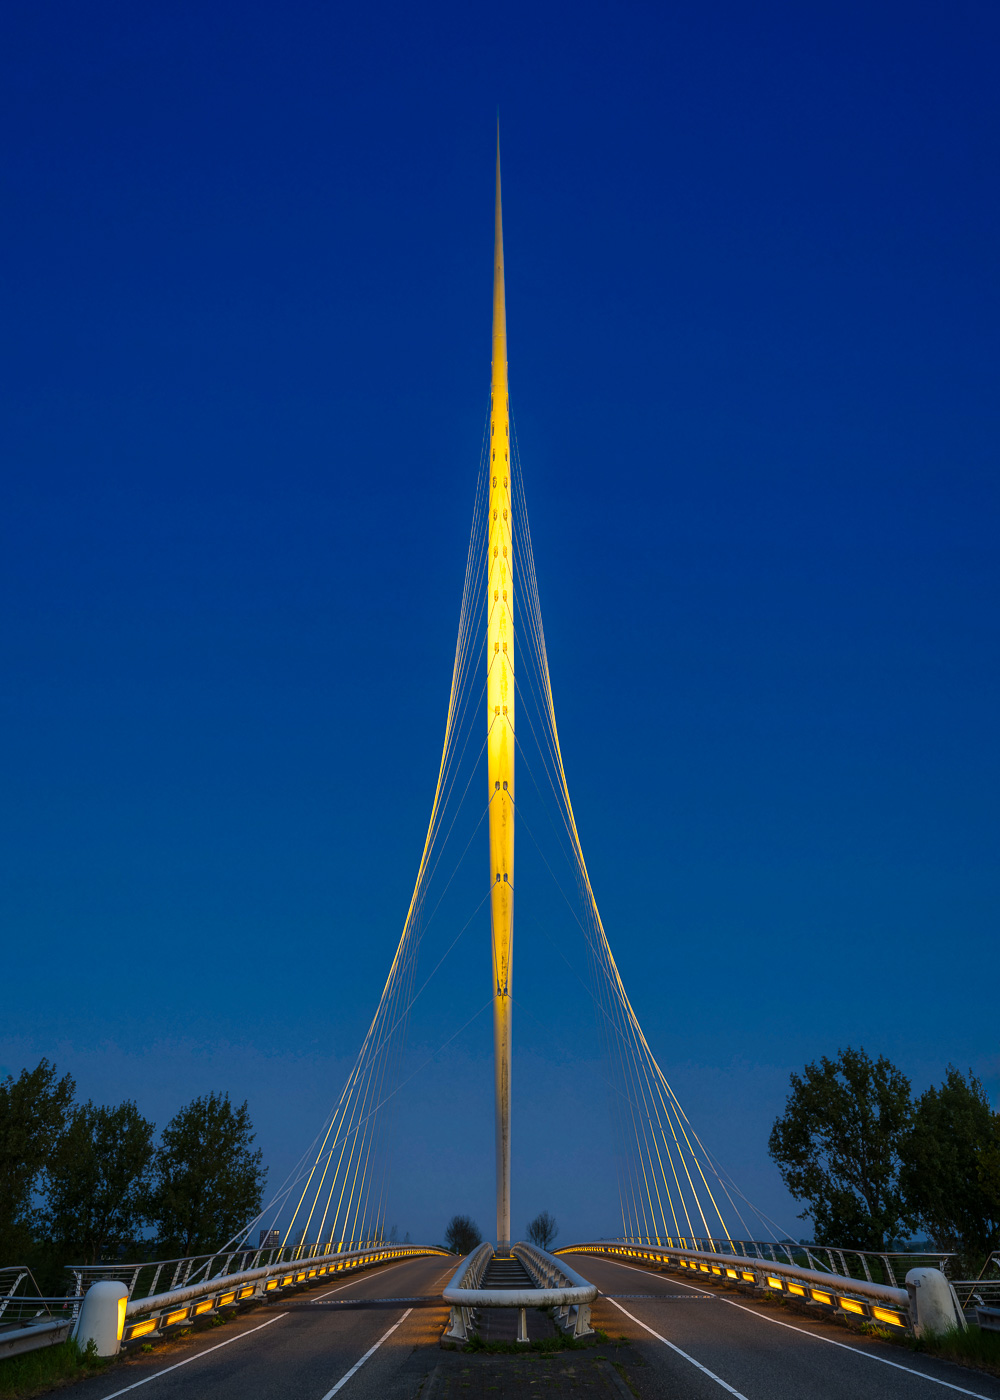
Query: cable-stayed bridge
501	715
326	1301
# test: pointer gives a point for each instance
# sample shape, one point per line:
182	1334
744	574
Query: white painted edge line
197	1357
857	1351
703	1369
358	1364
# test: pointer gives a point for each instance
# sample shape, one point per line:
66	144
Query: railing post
102	1317
934	1305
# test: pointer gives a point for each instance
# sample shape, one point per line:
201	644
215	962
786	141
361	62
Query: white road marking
817	1336
703	1369
358	1364
857	1351
197	1357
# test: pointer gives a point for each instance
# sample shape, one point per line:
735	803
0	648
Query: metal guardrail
179	1307
35	1335
876	1302
149	1277
556	1286
982	1293
160	1313
893	1265
27	1320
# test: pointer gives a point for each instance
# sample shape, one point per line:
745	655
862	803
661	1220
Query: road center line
703	1369
358	1364
197	1357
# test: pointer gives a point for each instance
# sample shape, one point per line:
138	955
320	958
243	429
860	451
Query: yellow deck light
849	1305
819	1297
884	1315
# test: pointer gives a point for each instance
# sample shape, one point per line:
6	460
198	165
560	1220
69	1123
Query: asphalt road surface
683	1343
701	1344
298	1352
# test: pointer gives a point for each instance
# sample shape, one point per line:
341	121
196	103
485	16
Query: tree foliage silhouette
33	1112
462	1234
543	1230
947	1173
98	1182
837	1147
209	1183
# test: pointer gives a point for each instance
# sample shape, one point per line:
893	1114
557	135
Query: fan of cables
672	1189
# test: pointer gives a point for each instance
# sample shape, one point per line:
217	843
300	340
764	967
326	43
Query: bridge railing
875	1266
148	1277
179	1307
927	1299
36	1322
554	1285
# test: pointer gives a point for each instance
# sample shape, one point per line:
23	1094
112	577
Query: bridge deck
719	1344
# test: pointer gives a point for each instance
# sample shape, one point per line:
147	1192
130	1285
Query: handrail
851	1295
556	1286
303	1270
838	1258
571	1292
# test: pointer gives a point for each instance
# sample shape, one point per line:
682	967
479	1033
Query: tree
33	1111
208	1182
945	1174
543	1230
837	1148
98	1181
462	1235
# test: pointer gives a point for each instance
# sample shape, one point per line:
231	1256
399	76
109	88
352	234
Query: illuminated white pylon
500	719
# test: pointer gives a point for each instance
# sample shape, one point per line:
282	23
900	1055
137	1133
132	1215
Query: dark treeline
83	1182
874	1165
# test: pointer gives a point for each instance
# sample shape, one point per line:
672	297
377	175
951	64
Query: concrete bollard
102	1317
933	1303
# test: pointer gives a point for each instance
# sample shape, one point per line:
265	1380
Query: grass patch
969	1346
544	1345
624	1375
34	1372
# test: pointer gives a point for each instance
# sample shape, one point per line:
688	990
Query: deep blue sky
753	318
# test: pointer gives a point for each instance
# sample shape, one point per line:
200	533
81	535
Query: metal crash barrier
556	1286
927	1303
145	1317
